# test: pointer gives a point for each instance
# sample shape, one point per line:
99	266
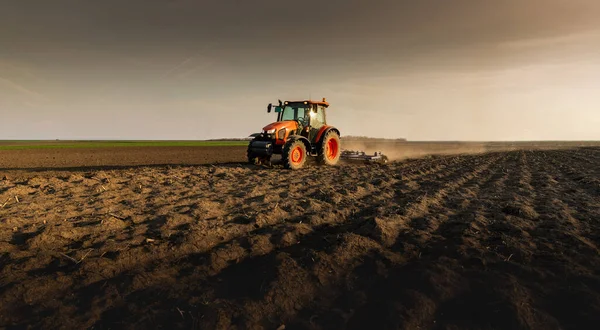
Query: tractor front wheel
294	154
252	158
330	150
258	160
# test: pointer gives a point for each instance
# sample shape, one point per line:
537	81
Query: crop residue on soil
496	240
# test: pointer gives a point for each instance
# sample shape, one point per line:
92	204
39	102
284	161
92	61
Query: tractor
300	131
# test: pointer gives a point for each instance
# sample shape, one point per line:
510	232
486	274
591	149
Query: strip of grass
112	144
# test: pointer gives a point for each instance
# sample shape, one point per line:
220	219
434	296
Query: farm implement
361	156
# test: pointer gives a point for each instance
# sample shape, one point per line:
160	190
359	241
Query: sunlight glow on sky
182	69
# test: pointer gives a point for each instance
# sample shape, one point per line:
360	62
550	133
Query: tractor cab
298	122
308	115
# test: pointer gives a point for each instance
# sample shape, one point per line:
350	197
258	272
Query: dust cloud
397	151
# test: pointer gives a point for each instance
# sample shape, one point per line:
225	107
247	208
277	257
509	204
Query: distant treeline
232	139
370	139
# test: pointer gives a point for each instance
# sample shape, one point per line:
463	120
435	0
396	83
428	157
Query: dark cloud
142	52
367	28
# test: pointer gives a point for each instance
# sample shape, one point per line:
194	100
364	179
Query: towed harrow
351	155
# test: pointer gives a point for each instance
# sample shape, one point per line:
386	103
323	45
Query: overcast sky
183	69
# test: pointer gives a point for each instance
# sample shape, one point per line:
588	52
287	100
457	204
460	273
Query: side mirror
269	107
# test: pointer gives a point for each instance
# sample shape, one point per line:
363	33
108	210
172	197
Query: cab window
318	119
292	113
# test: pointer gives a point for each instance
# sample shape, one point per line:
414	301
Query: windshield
293	112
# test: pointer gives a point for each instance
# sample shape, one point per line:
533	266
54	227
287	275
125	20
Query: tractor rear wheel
294	154
330	149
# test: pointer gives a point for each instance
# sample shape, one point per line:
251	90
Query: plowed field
500	240
96	158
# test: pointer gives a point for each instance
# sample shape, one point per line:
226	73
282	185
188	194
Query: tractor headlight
281	134
271	131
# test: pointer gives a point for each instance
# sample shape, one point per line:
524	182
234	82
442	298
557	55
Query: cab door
317	120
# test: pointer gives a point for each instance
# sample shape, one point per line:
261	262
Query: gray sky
183	69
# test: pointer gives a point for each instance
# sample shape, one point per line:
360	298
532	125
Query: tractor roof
323	102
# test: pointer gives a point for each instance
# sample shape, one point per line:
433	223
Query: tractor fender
301	138
323	132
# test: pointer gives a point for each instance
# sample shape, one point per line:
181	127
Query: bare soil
496	240
116	157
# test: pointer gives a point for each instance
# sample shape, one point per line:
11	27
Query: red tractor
300	131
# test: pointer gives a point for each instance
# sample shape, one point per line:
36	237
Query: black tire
331	139
294	154
251	156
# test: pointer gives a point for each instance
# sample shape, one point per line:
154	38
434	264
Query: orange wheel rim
297	155
332	148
